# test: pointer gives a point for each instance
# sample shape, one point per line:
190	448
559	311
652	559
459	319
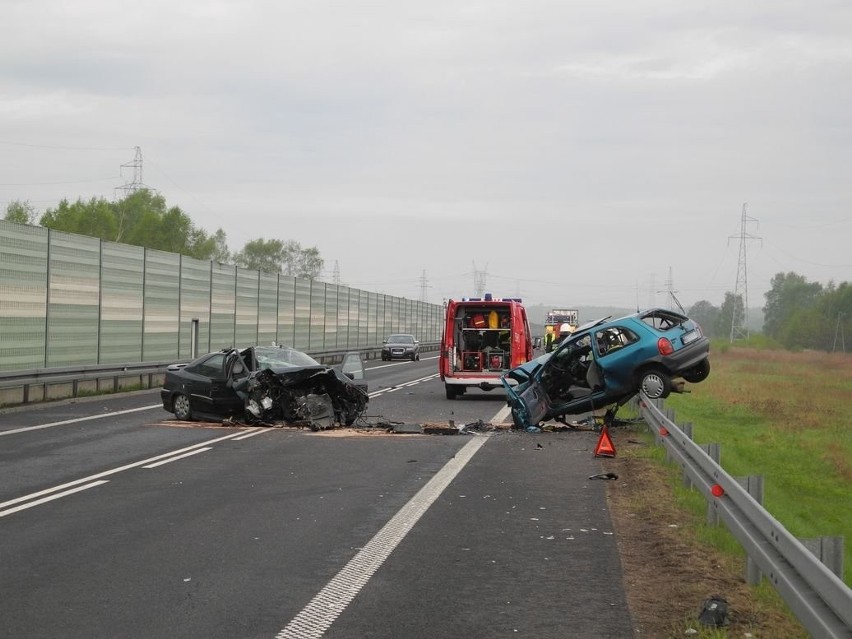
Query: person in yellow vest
549	338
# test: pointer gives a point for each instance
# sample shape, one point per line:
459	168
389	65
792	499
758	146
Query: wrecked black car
267	385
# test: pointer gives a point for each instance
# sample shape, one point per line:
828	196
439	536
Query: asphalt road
116	521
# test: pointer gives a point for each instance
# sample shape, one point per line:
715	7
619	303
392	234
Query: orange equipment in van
483	339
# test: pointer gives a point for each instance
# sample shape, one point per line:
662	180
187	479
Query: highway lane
188	531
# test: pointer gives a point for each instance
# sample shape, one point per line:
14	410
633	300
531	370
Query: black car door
207	384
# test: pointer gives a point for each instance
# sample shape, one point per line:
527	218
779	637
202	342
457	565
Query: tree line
142	218
798	314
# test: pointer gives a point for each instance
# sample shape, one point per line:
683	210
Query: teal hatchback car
606	362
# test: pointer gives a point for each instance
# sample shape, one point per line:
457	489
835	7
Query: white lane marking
259	431
332	600
9	511
171	459
113	471
77	420
502	414
391	389
407	361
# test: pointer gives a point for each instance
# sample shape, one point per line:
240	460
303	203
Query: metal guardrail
818	598
77	378
39	384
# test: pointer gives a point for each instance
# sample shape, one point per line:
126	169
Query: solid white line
44	500
171	459
501	415
113	471
332	600
78	419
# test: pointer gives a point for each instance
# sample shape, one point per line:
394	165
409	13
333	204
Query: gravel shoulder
668	571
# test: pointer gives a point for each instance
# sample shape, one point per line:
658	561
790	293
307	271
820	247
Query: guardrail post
714	452
829	550
753	485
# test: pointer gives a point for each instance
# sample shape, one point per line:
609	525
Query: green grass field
786	416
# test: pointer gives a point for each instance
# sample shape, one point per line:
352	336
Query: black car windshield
400	339
273	357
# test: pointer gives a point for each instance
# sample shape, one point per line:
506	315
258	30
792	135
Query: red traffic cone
605	447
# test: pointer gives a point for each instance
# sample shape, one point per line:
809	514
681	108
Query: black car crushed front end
267	385
313	397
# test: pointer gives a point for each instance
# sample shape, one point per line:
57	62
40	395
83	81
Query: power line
105	179
62	148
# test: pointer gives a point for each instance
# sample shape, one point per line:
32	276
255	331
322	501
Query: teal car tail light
665	346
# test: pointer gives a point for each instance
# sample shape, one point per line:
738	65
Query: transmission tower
739	316
479	280
652	292
670	293
136	183
335	276
424	284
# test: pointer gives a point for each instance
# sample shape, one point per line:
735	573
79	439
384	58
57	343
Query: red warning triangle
605	447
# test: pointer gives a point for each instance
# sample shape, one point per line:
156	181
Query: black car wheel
655	383
452	391
181	407
418	357
413	357
697	373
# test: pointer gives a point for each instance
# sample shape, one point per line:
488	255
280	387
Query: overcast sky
574	153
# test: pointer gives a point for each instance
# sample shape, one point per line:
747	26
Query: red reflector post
664	346
664	431
717	491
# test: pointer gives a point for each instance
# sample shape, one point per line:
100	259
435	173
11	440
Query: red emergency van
483	338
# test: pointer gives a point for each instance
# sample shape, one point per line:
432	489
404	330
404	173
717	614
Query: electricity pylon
136	183
739	317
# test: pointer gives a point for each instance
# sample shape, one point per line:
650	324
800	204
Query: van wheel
452	391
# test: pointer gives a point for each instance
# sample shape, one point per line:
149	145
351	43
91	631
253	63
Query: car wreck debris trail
331	601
